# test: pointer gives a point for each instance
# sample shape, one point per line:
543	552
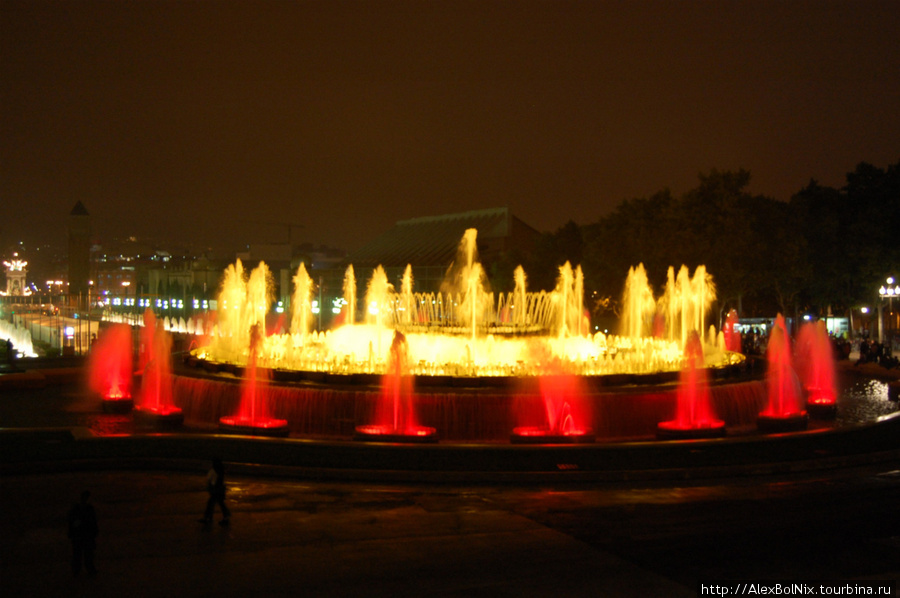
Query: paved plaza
295	537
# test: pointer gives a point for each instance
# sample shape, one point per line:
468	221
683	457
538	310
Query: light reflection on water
863	400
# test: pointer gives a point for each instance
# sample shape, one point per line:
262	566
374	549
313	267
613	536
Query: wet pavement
299	538
307	538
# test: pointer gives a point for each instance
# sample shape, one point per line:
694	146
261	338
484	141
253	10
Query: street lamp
888	292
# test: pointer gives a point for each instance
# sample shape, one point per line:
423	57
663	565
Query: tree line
823	250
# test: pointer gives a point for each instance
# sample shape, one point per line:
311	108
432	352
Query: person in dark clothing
215	485
863	352
83	532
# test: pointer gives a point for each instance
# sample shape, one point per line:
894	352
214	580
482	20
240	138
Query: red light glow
110	363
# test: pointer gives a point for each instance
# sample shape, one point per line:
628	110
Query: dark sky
210	120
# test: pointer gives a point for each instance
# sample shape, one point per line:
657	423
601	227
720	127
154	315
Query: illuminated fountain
565	416
464	330
731	334
561	414
253	414
465	335
156	406
815	363
145	348
247	304
784	411
395	417
20	337
694	417
110	368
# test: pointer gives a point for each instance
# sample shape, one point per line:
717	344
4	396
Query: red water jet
395	418
253	416
731	333
145	348
784	411
109	368
565	416
693	417
815	363
157	405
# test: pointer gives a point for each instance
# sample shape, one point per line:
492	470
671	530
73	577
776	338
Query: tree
552	251
852	236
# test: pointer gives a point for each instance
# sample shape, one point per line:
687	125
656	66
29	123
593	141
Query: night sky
224	121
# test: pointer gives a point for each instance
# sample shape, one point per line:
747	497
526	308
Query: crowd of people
754	341
871	351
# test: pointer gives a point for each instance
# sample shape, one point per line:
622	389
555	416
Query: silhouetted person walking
215	485
83	534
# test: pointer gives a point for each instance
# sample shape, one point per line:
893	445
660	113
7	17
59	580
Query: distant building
79	250
429	244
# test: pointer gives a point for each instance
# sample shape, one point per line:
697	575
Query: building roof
431	240
79	210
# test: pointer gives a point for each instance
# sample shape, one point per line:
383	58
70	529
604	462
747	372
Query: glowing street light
888	292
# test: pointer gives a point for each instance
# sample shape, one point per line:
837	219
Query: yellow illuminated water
467	330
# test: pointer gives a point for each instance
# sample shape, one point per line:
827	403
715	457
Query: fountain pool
536	347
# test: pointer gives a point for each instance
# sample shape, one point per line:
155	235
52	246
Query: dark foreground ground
295	537
294	533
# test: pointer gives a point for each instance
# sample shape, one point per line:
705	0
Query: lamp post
889	292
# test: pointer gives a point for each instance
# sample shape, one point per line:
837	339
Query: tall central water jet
406	308
301	304
468	278
520	298
349	289
637	302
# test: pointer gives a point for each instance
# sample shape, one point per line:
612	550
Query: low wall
459	414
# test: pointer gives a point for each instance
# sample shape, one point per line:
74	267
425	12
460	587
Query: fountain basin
821	407
254	427
379	433
160	416
776	424
117	404
674	430
539	435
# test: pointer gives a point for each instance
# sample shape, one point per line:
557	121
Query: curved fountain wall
466	414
